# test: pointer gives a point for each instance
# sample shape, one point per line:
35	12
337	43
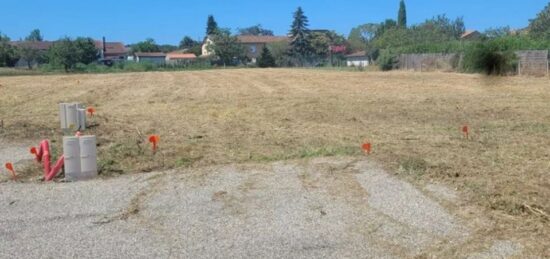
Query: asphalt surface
320	208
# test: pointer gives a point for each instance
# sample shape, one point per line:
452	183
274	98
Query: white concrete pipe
81	119
71	152
88	157
72	116
63	115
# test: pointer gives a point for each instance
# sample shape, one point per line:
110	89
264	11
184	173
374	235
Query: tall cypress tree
402	15
300	45
211	26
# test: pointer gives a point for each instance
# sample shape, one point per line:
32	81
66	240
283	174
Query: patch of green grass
413	166
308	153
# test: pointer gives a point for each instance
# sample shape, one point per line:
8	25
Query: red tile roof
111	47
468	33
40	45
179	55
261	39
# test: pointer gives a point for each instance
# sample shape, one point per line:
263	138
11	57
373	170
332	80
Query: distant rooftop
261	39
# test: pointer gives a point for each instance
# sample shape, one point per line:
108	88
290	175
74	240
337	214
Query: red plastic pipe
43	155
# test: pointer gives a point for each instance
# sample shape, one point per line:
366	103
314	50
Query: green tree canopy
8	53
149	45
187	42
211	25
322	41
498	32
30	55
266	59
362	35
67	53
402	15
34	35
279	51
226	47
256	30
540	26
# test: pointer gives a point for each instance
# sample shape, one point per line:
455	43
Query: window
253	49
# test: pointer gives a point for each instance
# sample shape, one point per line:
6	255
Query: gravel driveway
321	208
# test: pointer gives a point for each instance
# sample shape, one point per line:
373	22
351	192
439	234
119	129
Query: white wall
357	63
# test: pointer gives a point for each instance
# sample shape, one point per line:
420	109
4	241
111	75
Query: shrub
491	58
387	60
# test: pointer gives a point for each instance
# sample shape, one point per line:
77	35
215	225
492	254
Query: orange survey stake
367	148
154	139
91	111
9	166
466	131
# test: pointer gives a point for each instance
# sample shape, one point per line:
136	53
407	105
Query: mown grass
413	121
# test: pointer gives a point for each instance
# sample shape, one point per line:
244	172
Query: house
471	35
152	57
253	45
357	59
205	52
108	52
179	57
41	46
111	51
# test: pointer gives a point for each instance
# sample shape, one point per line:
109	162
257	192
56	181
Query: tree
279	51
300	46
86	51
34	36
8	53
255	30
321	42
62	53
384	26
442	25
540	26
67	53
402	15
362	35
266	59
187	42
211	25
166	48
29	54
149	45
498	32
226	47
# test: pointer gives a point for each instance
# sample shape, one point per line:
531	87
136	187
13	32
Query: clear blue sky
167	21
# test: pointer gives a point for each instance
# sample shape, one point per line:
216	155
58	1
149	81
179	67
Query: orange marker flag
465	130
91	111
9	166
367	148
154	139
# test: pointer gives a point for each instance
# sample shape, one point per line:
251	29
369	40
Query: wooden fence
533	62
429	62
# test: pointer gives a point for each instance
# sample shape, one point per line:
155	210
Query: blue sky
167	21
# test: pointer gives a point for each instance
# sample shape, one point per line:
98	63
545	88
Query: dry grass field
229	116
